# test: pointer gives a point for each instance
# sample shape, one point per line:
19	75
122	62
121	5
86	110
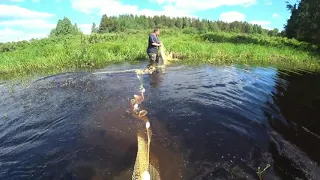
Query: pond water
207	123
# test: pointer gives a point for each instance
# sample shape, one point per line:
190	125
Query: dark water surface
207	123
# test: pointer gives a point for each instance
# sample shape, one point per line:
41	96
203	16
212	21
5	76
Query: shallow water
207	123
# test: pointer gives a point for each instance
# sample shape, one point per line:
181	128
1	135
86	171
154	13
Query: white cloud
173	8
18	30
193	5
8	35
9	32
24	23
163	1
19	12
93	5
114	7
275	15
28	24
17	0
23	30
237	16
232	16
85	28
268	2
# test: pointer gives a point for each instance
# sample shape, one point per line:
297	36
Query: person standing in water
153	47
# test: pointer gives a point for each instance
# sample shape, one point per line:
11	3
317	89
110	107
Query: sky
26	19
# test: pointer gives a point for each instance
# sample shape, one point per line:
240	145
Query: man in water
153	47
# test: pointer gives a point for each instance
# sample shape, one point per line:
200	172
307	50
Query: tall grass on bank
95	51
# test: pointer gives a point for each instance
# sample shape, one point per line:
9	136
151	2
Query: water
207	123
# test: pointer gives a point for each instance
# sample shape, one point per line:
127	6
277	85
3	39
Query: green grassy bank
70	53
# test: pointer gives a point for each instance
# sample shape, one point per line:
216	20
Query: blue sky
26	19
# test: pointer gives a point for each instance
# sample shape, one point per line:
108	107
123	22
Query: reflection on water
207	123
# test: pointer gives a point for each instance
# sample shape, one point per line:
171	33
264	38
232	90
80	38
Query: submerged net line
145	168
142	164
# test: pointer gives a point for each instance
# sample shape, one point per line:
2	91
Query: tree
158	21
203	26
213	26
108	24
309	21
234	27
255	29
103	24
304	22
179	23
259	29
224	27
274	32
196	23
185	22
292	25
247	28
94	28
152	25
64	27
76	29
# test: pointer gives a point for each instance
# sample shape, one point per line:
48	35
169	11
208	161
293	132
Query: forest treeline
122	23
189	25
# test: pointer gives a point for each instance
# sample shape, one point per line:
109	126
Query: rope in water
142	166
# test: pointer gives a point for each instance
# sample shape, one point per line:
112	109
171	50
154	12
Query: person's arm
156	44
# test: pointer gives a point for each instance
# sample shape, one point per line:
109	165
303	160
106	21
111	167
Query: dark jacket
152	39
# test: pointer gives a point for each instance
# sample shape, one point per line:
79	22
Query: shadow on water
207	123
298	103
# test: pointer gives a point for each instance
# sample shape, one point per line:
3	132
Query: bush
190	30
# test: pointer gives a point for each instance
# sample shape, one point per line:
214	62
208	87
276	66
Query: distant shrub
190	30
259	40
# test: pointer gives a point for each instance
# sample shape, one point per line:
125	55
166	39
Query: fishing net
146	167
165	56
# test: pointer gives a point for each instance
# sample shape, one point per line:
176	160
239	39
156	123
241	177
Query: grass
53	55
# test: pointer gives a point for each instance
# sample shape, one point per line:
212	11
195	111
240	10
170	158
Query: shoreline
92	52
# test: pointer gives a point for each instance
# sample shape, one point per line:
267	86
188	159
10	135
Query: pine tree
213	26
103	24
65	27
203	26
94	28
179	23
185	22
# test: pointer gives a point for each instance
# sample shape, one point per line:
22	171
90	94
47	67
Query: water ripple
208	122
